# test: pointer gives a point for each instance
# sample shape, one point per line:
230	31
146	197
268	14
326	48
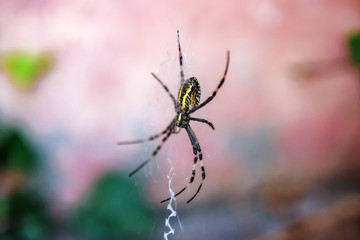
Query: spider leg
143	140
166	88
191	180
152	155
198	155
197	145
203	121
203	178
218	87
180	59
168	128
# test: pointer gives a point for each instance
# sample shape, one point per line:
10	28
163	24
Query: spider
186	104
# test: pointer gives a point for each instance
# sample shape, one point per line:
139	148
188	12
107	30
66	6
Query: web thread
172	202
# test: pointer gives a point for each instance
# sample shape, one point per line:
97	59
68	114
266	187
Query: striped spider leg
167	131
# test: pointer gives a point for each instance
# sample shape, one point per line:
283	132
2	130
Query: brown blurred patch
341	220
10	181
319	69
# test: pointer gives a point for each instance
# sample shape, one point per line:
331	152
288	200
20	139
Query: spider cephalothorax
187	103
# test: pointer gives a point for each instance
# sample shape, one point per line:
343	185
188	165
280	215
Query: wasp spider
187	103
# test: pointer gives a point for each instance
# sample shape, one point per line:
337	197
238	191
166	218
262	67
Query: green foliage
23	213
24	216
114	209
4	209
16	151
353	43
24	68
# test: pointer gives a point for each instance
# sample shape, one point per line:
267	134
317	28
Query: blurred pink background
277	114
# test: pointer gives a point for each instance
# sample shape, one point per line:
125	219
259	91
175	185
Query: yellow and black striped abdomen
189	94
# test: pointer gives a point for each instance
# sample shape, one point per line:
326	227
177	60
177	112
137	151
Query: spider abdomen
189	94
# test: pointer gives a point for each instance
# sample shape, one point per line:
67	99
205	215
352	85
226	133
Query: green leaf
16	151
353	43
114	209
4	208
24	68
27	217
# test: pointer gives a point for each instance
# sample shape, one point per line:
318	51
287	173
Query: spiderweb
171	206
